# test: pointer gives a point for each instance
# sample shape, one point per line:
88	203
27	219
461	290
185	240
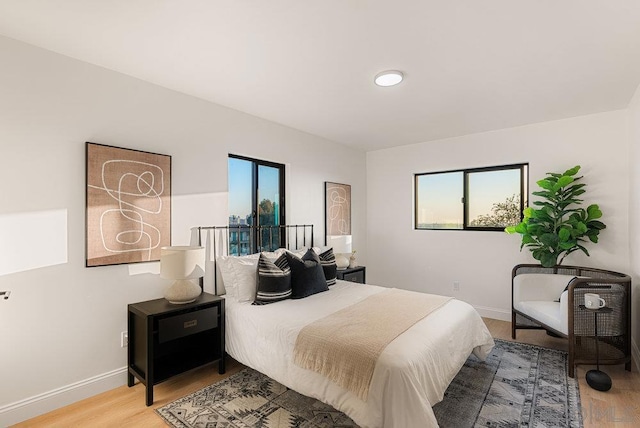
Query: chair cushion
552	314
544	311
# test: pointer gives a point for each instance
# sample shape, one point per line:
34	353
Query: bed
410	375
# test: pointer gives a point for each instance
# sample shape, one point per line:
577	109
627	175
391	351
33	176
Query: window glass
269	205
439	201
477	199
494	198
256	198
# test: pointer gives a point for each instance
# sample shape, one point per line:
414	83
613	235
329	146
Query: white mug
593	301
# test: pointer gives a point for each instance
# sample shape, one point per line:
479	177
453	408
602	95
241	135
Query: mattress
410	376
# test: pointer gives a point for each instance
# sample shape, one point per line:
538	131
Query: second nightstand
356	274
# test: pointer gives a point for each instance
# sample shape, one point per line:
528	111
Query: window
471	199
256	198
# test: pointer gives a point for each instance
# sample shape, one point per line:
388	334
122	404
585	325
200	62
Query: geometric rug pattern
519	385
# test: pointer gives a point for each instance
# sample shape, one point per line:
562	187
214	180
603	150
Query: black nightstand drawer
354	277
186	324
355	274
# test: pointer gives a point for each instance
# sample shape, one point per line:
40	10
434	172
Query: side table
598	379
355	274
167	339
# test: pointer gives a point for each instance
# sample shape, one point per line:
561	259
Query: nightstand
167	339
356	274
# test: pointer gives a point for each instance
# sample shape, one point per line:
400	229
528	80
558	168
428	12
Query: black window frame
255	165
524	198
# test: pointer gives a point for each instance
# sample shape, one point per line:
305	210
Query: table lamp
341	245
184	264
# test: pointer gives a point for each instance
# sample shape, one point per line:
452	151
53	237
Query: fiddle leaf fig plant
558	226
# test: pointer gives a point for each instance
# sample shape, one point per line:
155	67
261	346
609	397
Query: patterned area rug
518	385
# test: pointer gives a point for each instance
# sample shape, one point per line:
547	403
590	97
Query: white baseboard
42	403
496	314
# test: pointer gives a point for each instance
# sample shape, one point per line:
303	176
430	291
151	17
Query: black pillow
329	266
566	288
274	280
307	276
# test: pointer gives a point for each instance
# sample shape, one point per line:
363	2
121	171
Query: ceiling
470	66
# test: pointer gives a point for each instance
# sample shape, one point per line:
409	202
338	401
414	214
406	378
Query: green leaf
572	171
545	194
595	224
521	228
563	181
581	227
548	259
568	245
593	211
543	204
545	184
549	239
564	234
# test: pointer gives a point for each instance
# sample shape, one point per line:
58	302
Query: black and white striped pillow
329	266
274	280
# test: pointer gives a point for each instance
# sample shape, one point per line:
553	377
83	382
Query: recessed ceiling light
389	78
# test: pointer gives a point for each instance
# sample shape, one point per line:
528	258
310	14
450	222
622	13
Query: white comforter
412	372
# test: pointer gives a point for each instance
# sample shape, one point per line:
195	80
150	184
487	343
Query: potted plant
558	226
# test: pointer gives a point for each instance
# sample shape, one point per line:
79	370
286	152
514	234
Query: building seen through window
256	198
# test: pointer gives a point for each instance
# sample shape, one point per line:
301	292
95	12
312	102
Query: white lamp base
182	291
341	261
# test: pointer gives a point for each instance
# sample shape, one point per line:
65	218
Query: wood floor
124	407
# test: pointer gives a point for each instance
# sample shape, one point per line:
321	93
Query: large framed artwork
128	213
337	201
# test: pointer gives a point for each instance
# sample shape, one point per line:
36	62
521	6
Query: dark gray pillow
274	280
329	266
566	288
307	276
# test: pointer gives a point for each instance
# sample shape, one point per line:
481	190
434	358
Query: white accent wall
431	260
60	329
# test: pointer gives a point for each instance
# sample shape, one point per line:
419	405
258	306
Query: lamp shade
182	262
341	243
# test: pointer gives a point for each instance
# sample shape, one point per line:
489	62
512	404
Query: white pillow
320	250
299	252
239	274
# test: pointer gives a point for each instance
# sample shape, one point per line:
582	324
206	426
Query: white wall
431	261
60	329
634	209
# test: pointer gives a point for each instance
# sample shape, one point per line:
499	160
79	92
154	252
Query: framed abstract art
337	208
128	205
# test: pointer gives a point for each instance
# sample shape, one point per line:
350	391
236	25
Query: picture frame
337	202
128	205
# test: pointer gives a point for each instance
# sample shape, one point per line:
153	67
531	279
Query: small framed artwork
337	201
128	205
